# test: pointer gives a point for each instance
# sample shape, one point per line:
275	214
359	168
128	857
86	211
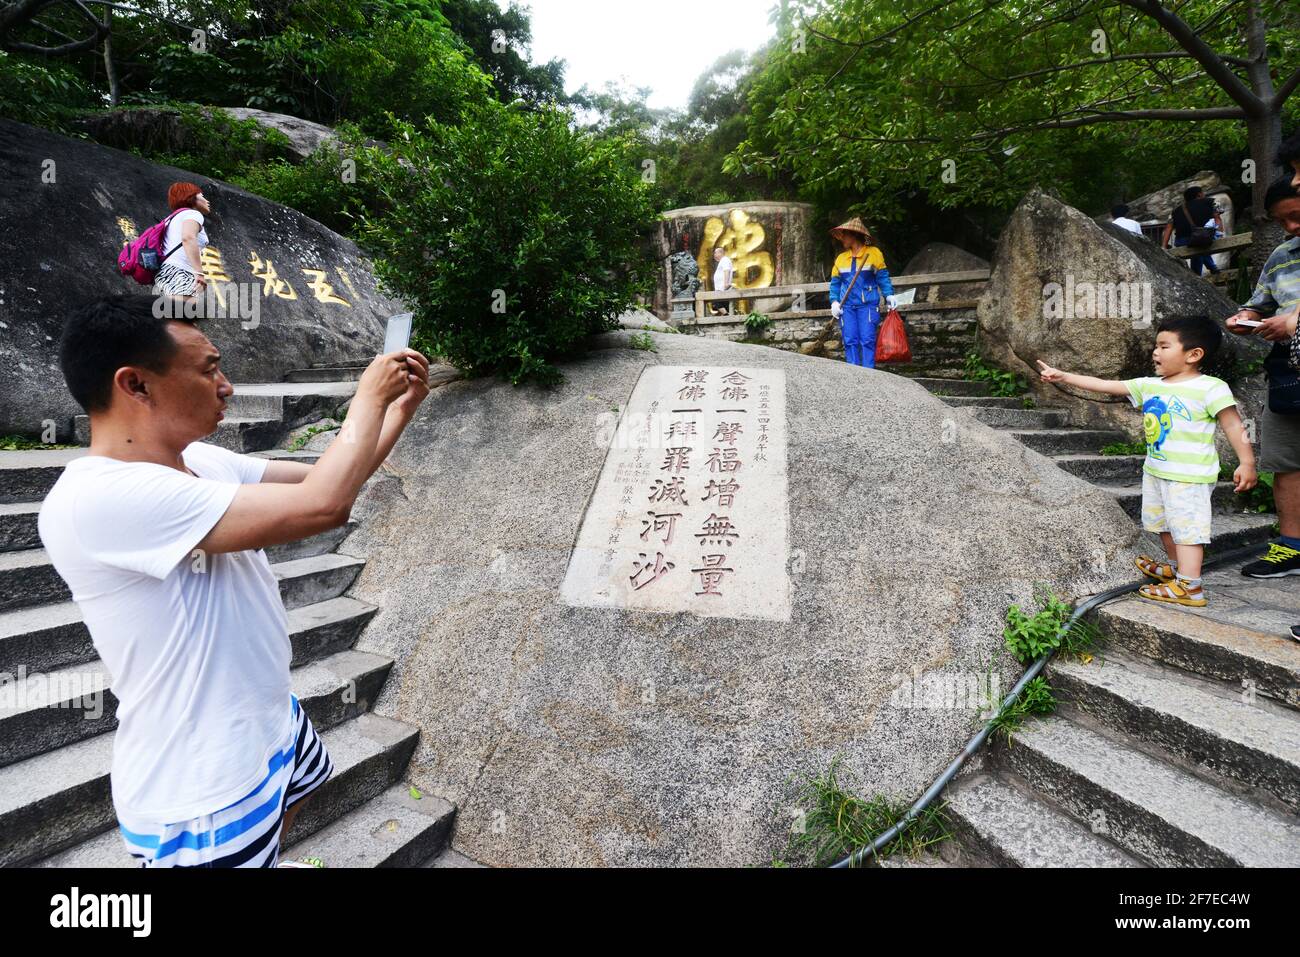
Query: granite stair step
1203	726
392	829
945	387
1155	811
28	476
18	526
1059	441
1009	828
1207	642
1022	418
1104	469
1222	499
60	802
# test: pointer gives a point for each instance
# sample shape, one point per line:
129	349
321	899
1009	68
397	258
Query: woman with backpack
181	272
859	284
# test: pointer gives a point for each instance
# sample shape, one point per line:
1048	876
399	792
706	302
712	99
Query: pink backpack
142	257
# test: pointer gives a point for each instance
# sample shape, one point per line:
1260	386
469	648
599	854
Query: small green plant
1124	448
1029	637
1036	698
643	340
1002	383
836	823
304	437
1029	402
20	443
756	322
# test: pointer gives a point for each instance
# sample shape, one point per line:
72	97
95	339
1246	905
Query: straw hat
854	225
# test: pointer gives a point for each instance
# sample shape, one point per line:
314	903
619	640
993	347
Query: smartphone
398	336
1249	322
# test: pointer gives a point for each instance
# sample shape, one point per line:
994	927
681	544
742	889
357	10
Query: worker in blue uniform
856	302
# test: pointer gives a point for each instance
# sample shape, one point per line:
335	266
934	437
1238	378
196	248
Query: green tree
513	236
501	41
973	101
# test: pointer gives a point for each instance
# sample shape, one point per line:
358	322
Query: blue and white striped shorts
246	833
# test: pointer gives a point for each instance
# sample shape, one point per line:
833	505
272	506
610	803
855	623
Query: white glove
836	309
891	302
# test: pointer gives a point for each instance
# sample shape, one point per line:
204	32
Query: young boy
1180	405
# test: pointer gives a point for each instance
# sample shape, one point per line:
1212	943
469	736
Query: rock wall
69	204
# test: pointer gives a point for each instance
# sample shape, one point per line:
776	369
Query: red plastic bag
891	342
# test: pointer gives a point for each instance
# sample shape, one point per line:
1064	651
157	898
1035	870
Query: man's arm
272	513
394	423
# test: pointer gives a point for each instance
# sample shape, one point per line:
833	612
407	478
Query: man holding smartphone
160	538
1272	313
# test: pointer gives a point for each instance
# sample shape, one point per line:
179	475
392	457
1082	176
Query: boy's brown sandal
1162	572
1174	593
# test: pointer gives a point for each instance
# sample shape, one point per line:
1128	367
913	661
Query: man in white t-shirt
160	538
1119	216
723	275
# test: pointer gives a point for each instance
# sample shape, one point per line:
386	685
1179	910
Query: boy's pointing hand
1048	373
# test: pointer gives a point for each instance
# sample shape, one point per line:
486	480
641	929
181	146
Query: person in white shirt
181	273
723	275
1119	216
160	538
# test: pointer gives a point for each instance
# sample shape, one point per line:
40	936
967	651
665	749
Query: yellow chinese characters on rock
214	271
322	290
742	241
272	284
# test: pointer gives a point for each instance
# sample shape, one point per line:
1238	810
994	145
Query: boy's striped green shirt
1178	421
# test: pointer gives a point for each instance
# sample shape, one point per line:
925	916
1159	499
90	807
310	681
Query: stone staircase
1178	744
56	747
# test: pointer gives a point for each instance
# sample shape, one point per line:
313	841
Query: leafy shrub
48	96
513	238
756	322
1124	448
1030	636
318	186
208	142
1002	383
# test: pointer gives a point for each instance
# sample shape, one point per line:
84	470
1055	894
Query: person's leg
312	767
870	327
1286	494
1184	513
1279	453
851	334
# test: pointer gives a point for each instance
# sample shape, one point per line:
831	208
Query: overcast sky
662	44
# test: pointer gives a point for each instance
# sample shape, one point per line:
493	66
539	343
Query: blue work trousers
859	323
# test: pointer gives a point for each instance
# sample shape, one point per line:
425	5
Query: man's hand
417	383
1050	374
1242	330
385	379
891	303
1279	328
836	308
1244	478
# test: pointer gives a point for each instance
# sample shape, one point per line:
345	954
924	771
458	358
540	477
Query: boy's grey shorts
1279	442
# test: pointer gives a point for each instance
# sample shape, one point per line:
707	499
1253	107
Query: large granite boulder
945	257
1086	297
578	718
69	204
304	136
165	128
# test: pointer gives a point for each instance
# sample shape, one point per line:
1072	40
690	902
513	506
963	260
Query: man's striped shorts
246	833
